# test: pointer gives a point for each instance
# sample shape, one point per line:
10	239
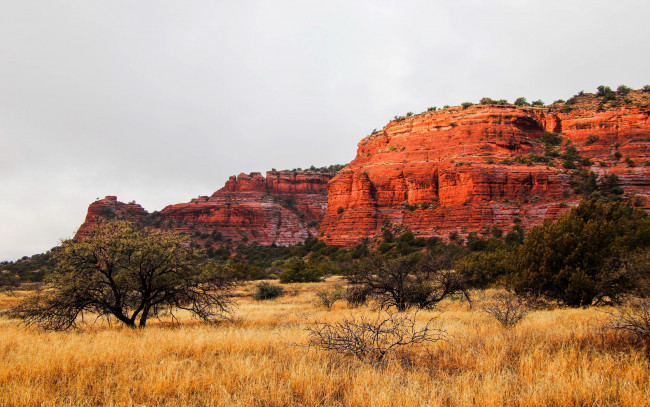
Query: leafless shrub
327	298
635	272
372	340
632	319
507	308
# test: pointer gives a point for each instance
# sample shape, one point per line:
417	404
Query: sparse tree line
604	95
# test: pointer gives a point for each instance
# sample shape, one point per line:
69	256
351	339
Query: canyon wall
284	209
459	170
439	173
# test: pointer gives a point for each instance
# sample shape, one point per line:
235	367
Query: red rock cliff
461	170
109	208
284	208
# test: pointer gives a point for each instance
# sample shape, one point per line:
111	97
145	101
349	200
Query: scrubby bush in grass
508	308
245	271
372	340
327	298
268	291
633	319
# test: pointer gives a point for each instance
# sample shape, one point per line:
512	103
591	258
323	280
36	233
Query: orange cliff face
109	208
284	209
462	170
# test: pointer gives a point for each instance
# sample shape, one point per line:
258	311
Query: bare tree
371	340
507	308
633	319
634	271
407	282
130	274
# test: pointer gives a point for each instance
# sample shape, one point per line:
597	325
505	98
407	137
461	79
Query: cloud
162	101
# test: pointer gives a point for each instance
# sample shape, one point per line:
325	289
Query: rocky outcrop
109	208
284	209
461	170
455	170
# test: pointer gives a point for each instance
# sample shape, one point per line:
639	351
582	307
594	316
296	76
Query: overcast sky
160	101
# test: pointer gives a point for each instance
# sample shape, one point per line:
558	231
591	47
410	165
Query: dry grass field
560	357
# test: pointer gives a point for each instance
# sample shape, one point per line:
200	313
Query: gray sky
160	101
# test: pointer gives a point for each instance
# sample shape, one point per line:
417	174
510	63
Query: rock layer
284	209
453	170
109	208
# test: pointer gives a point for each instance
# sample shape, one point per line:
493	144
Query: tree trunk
128	322
144	316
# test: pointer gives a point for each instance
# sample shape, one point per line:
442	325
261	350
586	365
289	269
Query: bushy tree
576	259
130	274
521	102
298	271
623	90
486	268
606	93
418	280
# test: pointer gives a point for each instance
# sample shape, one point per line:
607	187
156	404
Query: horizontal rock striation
109	208
284	209
461	170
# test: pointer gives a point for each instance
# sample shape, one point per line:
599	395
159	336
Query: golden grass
558	357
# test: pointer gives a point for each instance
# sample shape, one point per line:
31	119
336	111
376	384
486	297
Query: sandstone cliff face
109	208
284	208
453	170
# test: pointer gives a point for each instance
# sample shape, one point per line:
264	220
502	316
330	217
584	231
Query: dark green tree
299	271
576	259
